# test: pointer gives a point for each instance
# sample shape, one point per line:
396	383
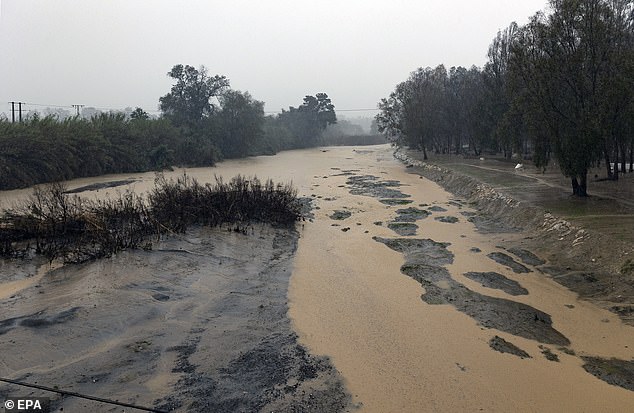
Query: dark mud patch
275	375
526	256
345	172
436	208
425	260
426	251
403	228
613	371
100	185
507	261
497	281
467	214
306	207
497	343
548	354
37	320
340	215
160	297
369	185
475	249
411	214
447	219
487	225
505	315
395	201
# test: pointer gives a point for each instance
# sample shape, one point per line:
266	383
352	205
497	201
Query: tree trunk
580	185
632	156
424	153
615	173
583	185
623	159
575	186
607	164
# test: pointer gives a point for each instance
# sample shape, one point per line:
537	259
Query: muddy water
348	300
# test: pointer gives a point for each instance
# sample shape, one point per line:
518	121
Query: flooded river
393	292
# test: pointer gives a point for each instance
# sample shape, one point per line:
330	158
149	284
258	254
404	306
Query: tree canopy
309	120
190	98
561	86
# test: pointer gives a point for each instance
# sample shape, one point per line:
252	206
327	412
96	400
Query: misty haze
326	206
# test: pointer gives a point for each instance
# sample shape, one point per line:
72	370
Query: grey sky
116	53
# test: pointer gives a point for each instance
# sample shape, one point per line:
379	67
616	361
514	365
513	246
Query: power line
50	106
336	110
81	396
77	108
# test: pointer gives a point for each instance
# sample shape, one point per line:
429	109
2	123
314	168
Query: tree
189	100
567	67
240	123
502	122
139	114
309	120
416	111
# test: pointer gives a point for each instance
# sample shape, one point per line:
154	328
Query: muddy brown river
388	300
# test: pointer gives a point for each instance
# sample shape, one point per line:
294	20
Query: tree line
559	88
203	121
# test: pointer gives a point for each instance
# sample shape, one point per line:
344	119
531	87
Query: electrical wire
82	396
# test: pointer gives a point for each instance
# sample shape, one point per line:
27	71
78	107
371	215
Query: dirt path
352	298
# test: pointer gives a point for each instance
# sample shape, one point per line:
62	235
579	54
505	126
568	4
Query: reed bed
58	225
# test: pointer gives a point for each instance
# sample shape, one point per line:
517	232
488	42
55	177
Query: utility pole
77	107
19	111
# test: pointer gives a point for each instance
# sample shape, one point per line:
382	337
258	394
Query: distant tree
374	127
189	100
416	111
240	123
500	121
309	120
139	114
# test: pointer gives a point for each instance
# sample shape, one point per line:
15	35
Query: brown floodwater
348	300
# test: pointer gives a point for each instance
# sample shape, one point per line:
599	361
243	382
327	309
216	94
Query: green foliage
240	124
573	69
308	121
204	121
47	150
189	100
562	86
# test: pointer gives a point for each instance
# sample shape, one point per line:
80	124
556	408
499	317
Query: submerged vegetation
60	226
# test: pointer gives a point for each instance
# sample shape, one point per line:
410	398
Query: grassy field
609	208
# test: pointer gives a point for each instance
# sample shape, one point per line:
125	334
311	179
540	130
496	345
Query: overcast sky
116	53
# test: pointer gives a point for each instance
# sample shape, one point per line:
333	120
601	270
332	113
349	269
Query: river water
349	301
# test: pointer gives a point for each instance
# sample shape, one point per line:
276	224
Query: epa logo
25	405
